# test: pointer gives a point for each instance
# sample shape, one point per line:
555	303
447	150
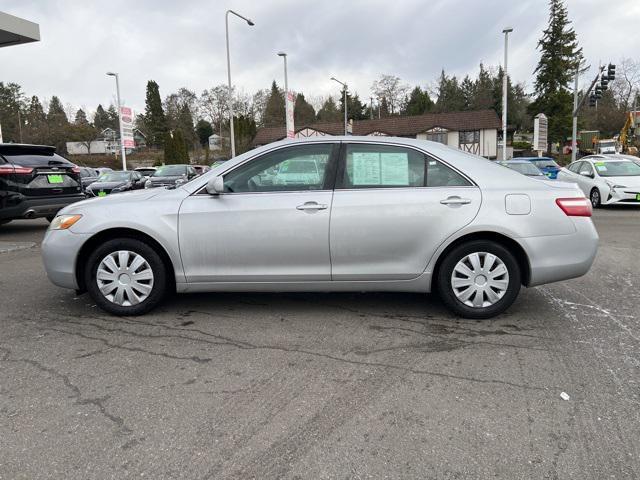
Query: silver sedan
329	214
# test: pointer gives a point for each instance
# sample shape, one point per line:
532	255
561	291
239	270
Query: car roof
515	160
530	159
23	148
605	158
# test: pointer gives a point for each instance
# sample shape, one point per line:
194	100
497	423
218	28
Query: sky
182	43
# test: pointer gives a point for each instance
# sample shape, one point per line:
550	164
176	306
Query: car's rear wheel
594	196
126	276
479	279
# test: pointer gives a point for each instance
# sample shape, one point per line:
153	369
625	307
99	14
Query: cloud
182	44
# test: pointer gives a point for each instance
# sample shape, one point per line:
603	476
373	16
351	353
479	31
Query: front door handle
455	201
312	206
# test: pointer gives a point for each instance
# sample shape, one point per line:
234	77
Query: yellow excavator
625	136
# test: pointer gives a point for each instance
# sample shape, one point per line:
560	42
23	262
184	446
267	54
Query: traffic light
597	92
611	72
604	83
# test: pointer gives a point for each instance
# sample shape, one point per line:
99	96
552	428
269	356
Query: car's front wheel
595	198
479	279
126	276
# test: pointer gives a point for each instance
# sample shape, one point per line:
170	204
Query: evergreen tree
185	123
10	105
384	108
169	149
101	119
154	115
81	118
559	58
181	154
113	118
329	111
483	90
58	125
418	103
468	91
245	128
204	130
303	114
37	130
274	112
450	97
355	108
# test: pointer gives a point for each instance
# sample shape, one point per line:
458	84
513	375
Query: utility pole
122	149
505	83
344	86
371	107
574	127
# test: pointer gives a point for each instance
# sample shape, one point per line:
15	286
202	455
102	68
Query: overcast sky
182	43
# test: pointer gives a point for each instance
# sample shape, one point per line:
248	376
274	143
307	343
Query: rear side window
38	160
440	175
575	167
380	166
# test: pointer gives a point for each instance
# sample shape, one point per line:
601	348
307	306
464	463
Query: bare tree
626	83
392	89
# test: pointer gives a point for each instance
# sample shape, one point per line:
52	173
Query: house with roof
473	131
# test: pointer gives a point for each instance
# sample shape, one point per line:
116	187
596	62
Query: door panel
256	237
385	234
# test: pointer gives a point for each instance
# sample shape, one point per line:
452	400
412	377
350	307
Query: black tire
154	261
594	197
446	290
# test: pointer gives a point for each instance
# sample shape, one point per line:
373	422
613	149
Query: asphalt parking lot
323	385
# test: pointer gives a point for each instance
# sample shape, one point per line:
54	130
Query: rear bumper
561	257
38	207
60	250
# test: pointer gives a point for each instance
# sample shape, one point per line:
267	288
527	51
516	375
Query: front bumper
38	207
561	257
60	249
627	196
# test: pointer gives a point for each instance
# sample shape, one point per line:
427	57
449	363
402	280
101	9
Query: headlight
63	222
613	186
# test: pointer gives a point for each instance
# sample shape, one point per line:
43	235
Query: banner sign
291	133
126	121
540	124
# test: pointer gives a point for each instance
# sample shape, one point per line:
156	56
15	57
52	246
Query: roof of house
394	126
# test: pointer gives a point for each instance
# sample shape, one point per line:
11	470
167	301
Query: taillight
17	169
575	207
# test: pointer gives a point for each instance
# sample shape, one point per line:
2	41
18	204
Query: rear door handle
455	201
312	206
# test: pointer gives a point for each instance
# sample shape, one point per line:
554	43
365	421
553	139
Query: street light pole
344	85
230	99
505	84
286	80
574	126
122	149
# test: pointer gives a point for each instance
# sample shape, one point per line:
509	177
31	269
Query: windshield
546	164
607	144
170	171
617	169
524	168
114	177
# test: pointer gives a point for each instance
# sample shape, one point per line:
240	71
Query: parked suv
35	182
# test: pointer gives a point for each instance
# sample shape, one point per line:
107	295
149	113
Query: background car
170	175
200	169
114	182
217	163
547	165
35	182
102	170
146	172
376	214
524	167
605	179
88	175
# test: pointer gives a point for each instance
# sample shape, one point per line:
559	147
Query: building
108	142
474	132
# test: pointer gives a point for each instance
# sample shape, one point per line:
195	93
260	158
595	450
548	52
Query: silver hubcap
124	278
595	198
480	279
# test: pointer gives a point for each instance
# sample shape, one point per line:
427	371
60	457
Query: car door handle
312	206
455	201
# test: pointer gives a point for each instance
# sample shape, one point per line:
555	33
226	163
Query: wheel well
101	237
512	245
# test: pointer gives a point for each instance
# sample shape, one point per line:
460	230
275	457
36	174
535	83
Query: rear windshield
170	170
38	160
524	168
546	164
617	169
114	177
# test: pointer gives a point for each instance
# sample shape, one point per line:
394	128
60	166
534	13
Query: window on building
469	136
440	137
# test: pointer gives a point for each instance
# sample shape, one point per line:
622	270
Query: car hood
124	197
107	185
626	181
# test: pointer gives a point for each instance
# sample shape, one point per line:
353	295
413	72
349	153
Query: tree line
184	120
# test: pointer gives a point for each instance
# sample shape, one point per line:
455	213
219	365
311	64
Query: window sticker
394	168
366	168
601	167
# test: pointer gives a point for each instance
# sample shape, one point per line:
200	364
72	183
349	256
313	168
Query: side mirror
215	186
586	173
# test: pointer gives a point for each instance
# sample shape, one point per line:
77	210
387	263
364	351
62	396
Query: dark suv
35	182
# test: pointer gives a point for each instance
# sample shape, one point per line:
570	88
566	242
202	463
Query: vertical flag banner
126	119
291	133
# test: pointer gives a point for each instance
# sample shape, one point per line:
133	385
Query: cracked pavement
323	385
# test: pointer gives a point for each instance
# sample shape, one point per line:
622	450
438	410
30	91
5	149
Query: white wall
80	148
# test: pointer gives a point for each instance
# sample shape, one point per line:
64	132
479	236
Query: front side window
380	166
301	167
575	167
